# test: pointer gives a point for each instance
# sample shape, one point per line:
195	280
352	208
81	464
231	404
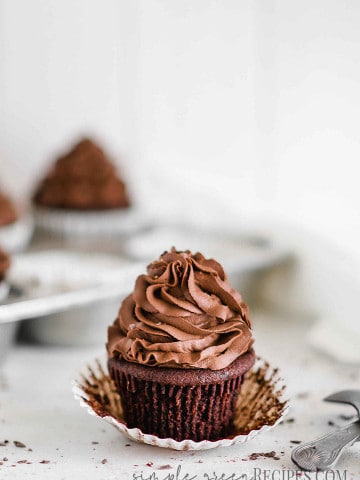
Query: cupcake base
262	404
194	404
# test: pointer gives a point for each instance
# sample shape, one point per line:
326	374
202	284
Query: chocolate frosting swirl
183	313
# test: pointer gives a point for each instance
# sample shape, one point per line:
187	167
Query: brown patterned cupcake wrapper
261	405
202	412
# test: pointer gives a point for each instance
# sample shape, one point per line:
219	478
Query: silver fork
323	453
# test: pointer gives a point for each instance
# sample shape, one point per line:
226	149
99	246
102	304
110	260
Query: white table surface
37	408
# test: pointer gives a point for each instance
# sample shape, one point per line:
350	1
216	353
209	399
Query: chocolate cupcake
8	213
16	226
4	288
82	195
7	330
4	264
180	348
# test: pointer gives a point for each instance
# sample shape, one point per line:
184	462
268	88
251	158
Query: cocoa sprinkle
256	455
19	444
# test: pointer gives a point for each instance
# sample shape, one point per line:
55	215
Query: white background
248	107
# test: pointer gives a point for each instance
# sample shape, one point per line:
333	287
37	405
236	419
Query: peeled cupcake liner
90	223
262	405
16	236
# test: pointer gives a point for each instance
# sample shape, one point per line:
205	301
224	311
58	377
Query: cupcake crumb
257	455
289	420
103	461
19	444
346	417
302	395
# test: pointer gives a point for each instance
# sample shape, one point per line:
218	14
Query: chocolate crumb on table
257	455
45	462
346	417
302	395
289	420
296	442
103	461
164	467
19	444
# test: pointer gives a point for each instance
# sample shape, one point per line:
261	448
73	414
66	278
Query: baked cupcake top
83	179
8	213
4	264
183	314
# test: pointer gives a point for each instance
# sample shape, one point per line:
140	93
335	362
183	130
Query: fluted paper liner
16	236
261	405
72	223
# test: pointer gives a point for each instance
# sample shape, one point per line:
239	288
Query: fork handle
323	453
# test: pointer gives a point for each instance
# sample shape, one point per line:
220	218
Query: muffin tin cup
17	236
261	405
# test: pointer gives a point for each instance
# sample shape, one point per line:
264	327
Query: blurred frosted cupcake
83	194
4	265
16	228
7	330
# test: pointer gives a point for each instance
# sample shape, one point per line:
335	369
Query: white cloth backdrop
216	109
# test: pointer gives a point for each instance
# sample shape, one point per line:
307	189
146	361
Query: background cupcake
7	330
182	343
16	227
83	194
8	213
